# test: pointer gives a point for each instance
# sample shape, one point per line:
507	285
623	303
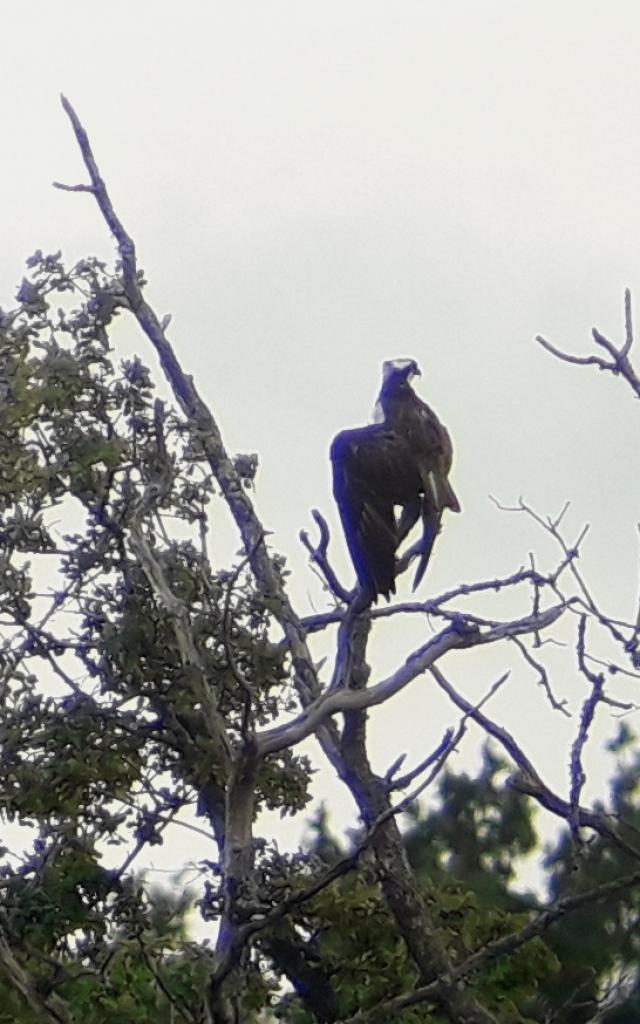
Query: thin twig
578	776
619	363
320	558
406	780
543	678
528	780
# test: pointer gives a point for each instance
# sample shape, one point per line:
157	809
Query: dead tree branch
319	555
528	780
618	364
333	701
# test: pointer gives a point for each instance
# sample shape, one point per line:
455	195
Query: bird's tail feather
431	528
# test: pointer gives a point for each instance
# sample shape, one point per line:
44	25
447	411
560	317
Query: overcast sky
316	187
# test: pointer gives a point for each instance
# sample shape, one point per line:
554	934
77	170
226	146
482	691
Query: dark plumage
431	449
402	462
372	473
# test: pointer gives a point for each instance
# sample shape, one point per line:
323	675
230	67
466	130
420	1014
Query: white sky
315	187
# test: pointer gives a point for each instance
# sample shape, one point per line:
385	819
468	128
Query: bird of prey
401	462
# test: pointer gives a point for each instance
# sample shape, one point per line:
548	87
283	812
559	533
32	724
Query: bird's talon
461	626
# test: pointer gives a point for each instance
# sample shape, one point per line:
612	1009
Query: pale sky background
316	187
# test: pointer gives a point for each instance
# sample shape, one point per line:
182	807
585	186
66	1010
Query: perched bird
402	462
430	444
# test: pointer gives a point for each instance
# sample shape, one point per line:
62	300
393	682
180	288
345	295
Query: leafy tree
586	968
141	682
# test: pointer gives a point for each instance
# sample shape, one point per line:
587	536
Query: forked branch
618	362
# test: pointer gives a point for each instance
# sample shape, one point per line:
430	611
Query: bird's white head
406	368
395	372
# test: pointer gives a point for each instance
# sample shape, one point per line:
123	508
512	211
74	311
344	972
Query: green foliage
469	902
103	731
466	852
601	941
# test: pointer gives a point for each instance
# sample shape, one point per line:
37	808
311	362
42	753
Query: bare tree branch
434	606
578	777
543	677
618	364
333	701
528	780
571	554
319	557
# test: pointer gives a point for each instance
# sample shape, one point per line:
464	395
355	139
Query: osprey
403	462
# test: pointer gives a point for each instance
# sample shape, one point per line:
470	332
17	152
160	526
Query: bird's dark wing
431	442
371	474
